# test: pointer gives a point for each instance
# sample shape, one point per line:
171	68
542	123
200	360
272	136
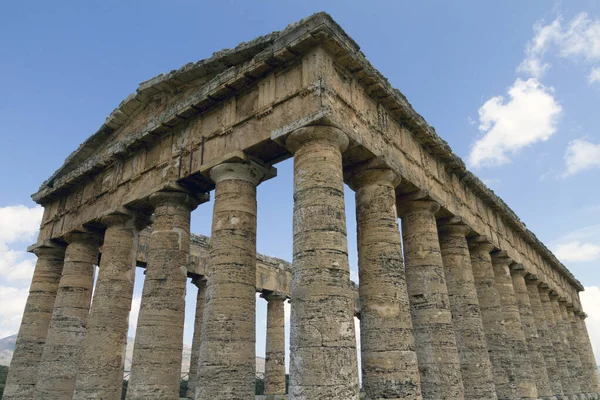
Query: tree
3	374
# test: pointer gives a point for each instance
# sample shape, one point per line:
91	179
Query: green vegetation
3	374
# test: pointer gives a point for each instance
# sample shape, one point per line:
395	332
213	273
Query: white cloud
594	75
577	252
577	40
581	155
529	115
12	304
19	223
590	301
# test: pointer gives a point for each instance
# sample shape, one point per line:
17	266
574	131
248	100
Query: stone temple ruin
466	304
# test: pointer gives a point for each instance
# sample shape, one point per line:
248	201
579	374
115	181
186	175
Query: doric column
100	373
476	367
23	371
275	348
435	342
58	366
572	355
532	338
524	378
200	283
585	386
389	361
544	336
226	366
557	339
492	317
588	359
157	351
323	359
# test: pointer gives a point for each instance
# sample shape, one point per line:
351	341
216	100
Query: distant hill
7	347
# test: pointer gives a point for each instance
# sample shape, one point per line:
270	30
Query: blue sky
514	88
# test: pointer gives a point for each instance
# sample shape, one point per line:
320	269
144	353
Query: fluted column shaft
389	361
157	352
572	355
475	363
100	374
583	378
227	366
323	359
275	346
492	316
562	347
435	342
532	338
23	371
58	366
524	378
197	339
588	360
557	339
544	337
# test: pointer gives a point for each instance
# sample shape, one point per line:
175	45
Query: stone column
58	366
588	360
492	317
544	336
572	355
475	361
532	338
435	342
275	349
227	366
583	378
100	373
524	378
323	359
23	371
557	340
389	361
200	283
156	365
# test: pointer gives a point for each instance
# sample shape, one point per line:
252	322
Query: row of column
457	321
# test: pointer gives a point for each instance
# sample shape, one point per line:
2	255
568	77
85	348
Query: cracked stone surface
58	365
476	367
389	360
100	374
156	365
435	342
23	372
323	361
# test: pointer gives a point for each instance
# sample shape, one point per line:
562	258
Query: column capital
250	171
453	225
178	197
330	134
581	314
532	278
88	237
274	296
199	281
518	269
563	301
417	206
48	248
502	258
553	295
480	243
372	172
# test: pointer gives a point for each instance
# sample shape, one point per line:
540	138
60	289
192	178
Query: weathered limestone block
58	366
197	339
583	378
524	378
389	361
226	366
435	342
23	371
476	367
156	365
100	374
588	360
493	317
572	355
275	346
557	341
323	360
544	336
534	347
